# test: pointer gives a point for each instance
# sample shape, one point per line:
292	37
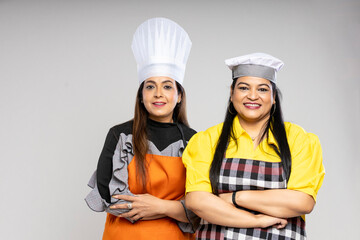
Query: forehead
160	79
253	81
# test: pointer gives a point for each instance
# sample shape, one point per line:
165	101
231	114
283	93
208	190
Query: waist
162	228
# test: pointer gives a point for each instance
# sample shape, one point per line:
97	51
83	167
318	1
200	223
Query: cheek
270	99
266	98
146	98
237	101
237	97
172	96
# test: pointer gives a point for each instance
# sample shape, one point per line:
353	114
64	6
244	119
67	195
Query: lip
159	104
252	105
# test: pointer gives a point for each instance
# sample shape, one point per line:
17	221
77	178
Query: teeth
252	105
159	103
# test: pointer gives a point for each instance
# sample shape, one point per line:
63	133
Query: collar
271	139
154	123
239	130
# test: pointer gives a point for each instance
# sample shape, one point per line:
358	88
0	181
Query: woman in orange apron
140	178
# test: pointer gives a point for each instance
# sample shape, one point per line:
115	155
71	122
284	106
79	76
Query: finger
136	217
120	206
281	224
129	214
125	197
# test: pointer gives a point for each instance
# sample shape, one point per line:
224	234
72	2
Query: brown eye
263	89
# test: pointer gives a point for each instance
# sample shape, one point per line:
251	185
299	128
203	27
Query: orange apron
166	180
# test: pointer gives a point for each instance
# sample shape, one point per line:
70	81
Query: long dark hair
275	124
140	144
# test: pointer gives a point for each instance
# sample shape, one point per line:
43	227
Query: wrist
164	207
259	221
234	200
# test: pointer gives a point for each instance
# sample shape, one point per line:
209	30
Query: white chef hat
256	65
161	48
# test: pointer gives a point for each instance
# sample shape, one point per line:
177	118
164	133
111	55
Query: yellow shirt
307	170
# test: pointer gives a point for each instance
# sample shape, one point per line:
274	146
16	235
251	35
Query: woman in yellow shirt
253	167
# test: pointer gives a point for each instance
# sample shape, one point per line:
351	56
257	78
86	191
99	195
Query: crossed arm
282	203
215	210
148	207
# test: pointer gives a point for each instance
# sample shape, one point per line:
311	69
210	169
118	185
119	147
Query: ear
231	94
273	93
274	99
179	97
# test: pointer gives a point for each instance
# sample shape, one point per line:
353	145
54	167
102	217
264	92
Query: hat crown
161	48
261	59
255	64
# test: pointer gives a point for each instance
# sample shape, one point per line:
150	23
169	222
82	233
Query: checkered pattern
209	231
244	174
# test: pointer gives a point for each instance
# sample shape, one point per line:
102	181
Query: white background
67	74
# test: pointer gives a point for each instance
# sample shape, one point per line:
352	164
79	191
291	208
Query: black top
160	134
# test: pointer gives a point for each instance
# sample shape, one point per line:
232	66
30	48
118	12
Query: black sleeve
104	167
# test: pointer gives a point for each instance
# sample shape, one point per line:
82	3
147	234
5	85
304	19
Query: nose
253	94
158	92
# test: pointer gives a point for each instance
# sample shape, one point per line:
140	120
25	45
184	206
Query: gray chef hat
256	65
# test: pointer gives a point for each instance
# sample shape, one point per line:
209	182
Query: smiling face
252	98
160	96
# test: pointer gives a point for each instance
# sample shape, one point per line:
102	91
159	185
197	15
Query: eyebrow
242	83
262	84
165	81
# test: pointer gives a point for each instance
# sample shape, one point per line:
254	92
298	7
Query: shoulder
208	137
293	130
188	132
201	147
125	128
297	135
214	132
117	132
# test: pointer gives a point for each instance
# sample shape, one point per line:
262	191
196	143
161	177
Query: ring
129	205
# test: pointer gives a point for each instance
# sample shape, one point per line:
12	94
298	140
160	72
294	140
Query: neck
162	120
254	128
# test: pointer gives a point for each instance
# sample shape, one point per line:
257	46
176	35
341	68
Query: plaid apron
243	174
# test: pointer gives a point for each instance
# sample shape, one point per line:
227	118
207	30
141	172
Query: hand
144	206
267	221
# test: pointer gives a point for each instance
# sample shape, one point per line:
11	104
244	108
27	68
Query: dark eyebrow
264	84
150	81
165	81
242	83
